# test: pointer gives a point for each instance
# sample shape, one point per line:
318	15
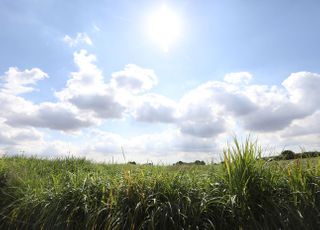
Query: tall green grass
245	192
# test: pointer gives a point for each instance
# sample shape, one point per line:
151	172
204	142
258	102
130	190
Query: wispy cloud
79	39
238	77
96	28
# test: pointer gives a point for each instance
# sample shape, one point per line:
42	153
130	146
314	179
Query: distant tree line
197	162
289	155
284	155
134	163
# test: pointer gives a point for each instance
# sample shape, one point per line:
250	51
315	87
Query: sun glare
164	27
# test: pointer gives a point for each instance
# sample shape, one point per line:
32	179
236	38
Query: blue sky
237	67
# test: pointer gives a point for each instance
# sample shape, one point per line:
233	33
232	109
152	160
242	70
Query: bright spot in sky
164	27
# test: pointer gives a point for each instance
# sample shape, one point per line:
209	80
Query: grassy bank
246	192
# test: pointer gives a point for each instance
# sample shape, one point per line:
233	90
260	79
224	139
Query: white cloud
134	79
87	90
303	88
12	104
280	107
19	82
238	78
205	128
166	147
10	136
104	142
199	115
260	108
199	122
80	38
19	112
102	105
16	111
56	116
87	80
155	108
191	144
305	126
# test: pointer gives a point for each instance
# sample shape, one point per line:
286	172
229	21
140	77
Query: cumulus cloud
134	78
86	100
199	121
19	82
303	88
306	126
297	99
227	98
87	80
17	111
259	108
56	116
12	104
10	136
155	108
204	128
199	115
272	119
80	38
102	105
87	90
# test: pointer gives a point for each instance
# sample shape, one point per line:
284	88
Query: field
245	192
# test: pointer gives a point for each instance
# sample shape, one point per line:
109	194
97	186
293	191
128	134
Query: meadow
244	192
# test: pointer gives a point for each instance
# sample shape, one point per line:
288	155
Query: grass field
245	192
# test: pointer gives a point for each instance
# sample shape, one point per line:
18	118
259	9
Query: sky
157	81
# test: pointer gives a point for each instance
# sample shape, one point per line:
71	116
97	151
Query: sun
164	27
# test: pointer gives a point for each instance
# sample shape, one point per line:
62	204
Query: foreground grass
245	192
